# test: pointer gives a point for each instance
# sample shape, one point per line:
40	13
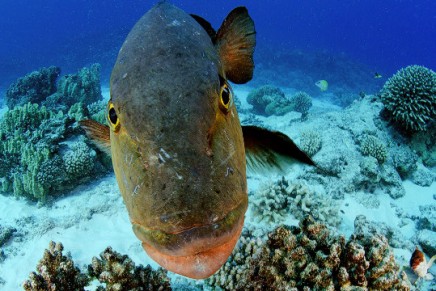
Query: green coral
81	87
374	147
310	142
261	97
79	161
97	111
410	97
35	87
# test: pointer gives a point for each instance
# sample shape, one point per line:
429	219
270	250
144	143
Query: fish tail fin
98	133
235	40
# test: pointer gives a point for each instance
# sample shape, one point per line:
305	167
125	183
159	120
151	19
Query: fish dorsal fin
206	25
98	133
235	41
270	149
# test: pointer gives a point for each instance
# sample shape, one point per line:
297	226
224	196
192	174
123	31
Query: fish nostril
164	218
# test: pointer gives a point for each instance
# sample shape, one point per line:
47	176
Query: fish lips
197	252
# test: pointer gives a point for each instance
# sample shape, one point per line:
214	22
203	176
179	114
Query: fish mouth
197	252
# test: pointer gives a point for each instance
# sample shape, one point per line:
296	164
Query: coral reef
409	97
310	142
32	150
6	234
273	201
231	273
301	102
81	87
374	147
309	257
404	160
269	100
39	153
56	271
424	144
423	177
79	161
119	272
427	239
35	87
262	97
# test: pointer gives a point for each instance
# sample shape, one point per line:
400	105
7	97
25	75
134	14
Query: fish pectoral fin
271	149
235	41
206	25
98	133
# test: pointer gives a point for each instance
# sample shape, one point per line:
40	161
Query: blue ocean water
383	35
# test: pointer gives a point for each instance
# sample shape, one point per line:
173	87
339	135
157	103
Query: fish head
175	137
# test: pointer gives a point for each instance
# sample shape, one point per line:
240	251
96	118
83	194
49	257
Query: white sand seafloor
92	217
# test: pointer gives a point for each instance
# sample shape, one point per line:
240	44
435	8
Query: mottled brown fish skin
178	156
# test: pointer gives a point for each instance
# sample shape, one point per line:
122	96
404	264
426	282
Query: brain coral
409	97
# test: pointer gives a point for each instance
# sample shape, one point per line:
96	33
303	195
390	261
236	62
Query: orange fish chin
202	264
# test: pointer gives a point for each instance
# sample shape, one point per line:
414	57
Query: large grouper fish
178	149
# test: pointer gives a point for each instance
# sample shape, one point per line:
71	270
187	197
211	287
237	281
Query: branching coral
374	147
56	271
310	142
301	102
309	257
34	87
119	272
410	97
275	200
231	273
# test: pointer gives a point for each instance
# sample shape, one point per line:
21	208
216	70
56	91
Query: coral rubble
309	257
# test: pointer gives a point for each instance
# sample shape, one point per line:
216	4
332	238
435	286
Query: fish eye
226	97
113	117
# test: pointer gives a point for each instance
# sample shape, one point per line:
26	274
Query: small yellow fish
323	85
178	149
377	75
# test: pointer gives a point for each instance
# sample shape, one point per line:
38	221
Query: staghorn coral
309	257
310	142
56	271
119	272
374	147
33	88
409	97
